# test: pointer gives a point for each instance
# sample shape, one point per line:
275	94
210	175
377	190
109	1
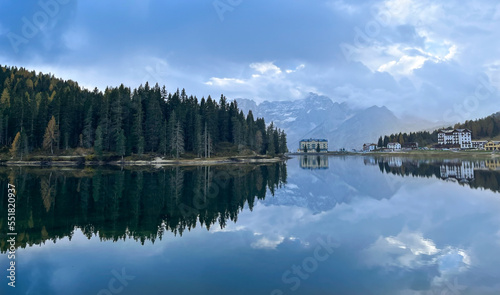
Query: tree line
488	127
121	204
41	112
423	138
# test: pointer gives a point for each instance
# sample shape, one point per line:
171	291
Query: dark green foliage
146	119
488	127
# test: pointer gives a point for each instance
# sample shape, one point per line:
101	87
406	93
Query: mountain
318	116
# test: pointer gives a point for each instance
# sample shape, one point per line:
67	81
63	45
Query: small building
479	144
368	147
460	137
410	145
313	145
394	146
492	146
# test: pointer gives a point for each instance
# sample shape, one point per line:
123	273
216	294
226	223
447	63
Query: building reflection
462	171
314	162
474	173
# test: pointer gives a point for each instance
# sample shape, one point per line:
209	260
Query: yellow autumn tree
51	135
5	98
16	144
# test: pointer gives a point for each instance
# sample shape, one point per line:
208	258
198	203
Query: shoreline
157	162
411	153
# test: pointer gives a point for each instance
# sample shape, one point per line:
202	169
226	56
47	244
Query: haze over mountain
344	126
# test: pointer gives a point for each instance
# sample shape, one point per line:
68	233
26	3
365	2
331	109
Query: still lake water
317	225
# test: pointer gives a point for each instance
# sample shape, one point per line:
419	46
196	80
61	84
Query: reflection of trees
487	179
138	204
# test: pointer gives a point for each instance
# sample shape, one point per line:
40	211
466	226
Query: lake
312	225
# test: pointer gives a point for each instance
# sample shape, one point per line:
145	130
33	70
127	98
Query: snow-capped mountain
318	116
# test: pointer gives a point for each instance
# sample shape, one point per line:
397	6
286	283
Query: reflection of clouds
411	250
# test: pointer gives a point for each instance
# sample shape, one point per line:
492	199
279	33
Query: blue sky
434	59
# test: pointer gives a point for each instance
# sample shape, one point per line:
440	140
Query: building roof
314	139
451	131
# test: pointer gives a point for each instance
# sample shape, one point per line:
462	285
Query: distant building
368	147
394	145
410	145
461	138
479	144
311	145
492	146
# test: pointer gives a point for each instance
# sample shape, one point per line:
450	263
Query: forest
43	114
137	204
485	128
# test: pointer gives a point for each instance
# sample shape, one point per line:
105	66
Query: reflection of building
314	162
479	144
368	147
394	145
462	171
492	164
395	162
312	145
457	137
492	146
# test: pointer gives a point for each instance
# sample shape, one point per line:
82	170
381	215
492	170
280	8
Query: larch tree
51	136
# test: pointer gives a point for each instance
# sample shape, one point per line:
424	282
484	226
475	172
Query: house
492	146
410	145
394	145
313	145
479	144
457	137
368	147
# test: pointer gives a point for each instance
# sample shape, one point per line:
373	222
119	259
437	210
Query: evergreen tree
99	141
88	131
120	144
163	144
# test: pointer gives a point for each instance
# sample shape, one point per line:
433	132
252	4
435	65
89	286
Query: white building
457	137
368	147
312	145
394	145
479	144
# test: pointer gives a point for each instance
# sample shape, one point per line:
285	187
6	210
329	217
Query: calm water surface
317	225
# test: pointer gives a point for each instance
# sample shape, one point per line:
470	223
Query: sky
438	60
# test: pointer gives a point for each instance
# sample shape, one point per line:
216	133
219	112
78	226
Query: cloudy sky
434	59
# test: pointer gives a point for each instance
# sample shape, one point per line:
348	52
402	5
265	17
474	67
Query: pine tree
51	136
120	144
380	142
163	145
99	142
88	131
283	144
178	140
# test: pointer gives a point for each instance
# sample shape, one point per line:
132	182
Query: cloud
412	56
266	68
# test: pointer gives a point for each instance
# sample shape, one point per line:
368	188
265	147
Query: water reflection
474	173
137	204
314	162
